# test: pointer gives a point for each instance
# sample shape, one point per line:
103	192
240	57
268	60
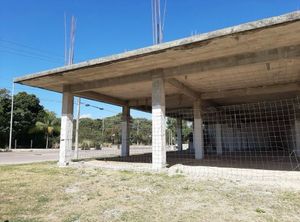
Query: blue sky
32	33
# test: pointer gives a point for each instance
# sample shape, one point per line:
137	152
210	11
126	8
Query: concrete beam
116	81
242	59
261	90
183	88
171	100
103	98
147	101
205	97
66	133
253	91
248	58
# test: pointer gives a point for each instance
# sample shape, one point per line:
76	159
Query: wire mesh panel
105	143
261	137
256	140
250	134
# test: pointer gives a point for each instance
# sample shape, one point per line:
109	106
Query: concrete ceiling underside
247	63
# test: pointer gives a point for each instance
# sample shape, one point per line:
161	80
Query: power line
32	53
24	88
27	55
1	77
42	99
30	47
59	101
20	49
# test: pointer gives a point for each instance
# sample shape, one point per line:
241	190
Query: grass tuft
260	211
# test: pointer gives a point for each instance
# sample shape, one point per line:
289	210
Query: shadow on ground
266	161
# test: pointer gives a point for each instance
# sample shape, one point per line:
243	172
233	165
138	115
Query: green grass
44	192
260	211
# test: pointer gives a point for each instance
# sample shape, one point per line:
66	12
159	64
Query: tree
27	111
89	129
49	125
112	129
5	105
186	129
140	132
108	130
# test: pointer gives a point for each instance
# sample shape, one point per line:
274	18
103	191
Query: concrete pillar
158	124
219	139
191	142
198	131
297	136
66	133
179	133
125	131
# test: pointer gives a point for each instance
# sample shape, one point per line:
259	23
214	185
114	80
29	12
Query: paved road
20	156
28	156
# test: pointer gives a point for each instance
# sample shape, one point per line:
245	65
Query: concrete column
219	139
179	133
191	142
198	131
158	124
297	136
66	133
125	131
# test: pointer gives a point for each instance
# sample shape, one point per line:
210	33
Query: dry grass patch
44	192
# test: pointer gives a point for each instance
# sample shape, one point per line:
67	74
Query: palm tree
48	126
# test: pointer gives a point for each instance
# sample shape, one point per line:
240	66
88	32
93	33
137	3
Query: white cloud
88	115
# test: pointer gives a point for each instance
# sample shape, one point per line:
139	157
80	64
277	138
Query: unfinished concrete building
239	86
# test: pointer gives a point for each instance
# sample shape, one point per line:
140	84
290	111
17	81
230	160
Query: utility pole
103	129
137	132
11	116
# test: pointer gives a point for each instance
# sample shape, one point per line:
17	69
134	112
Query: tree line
36	127
33	125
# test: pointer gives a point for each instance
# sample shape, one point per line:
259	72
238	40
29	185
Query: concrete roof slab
255	54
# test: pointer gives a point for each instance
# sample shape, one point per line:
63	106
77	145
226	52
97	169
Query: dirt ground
44	192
